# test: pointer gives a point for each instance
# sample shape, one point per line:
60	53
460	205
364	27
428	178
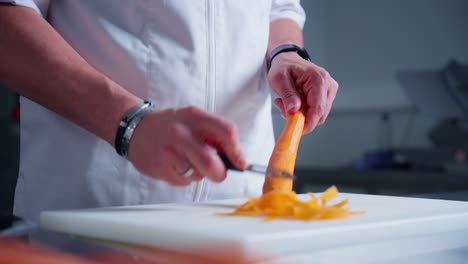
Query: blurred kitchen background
381	137
388	132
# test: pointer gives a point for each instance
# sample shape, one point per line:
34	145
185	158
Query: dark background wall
9	149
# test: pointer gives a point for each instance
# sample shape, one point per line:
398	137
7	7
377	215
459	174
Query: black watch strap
128	124
287	48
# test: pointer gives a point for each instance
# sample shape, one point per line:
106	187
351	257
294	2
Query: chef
128	102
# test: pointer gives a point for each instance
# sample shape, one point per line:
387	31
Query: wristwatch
287	48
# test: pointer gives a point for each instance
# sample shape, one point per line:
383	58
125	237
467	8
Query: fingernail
242	161
290	107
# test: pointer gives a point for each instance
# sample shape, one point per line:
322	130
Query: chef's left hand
290	76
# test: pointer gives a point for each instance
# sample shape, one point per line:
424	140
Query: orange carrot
283	157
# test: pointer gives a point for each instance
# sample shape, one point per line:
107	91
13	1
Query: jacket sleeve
291	9
40	6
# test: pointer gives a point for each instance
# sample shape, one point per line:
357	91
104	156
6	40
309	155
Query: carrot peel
285	204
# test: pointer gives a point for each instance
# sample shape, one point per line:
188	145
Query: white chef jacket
205	53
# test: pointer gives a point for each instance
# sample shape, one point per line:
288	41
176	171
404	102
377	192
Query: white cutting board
186	227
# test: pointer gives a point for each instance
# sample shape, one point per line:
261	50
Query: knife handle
228	163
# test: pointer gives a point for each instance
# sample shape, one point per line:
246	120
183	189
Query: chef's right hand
167	143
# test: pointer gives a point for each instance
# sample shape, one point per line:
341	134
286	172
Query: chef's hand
167	143
290	76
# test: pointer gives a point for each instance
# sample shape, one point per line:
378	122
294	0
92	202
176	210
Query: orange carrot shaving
285	204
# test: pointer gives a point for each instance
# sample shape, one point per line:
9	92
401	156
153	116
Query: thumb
289	95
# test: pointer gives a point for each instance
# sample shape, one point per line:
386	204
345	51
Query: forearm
284	31
36	62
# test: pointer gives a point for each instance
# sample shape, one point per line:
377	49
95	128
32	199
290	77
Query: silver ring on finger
188	173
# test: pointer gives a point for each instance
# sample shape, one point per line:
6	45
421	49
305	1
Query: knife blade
256	168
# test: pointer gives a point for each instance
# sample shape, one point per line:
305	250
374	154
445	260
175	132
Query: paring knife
256	168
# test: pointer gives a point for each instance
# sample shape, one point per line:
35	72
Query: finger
203	159
317	104
330	98
180	180
166	170
197	177
182	165
283	85
311	123
279	104
207	162
172	176
315	112
218	132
